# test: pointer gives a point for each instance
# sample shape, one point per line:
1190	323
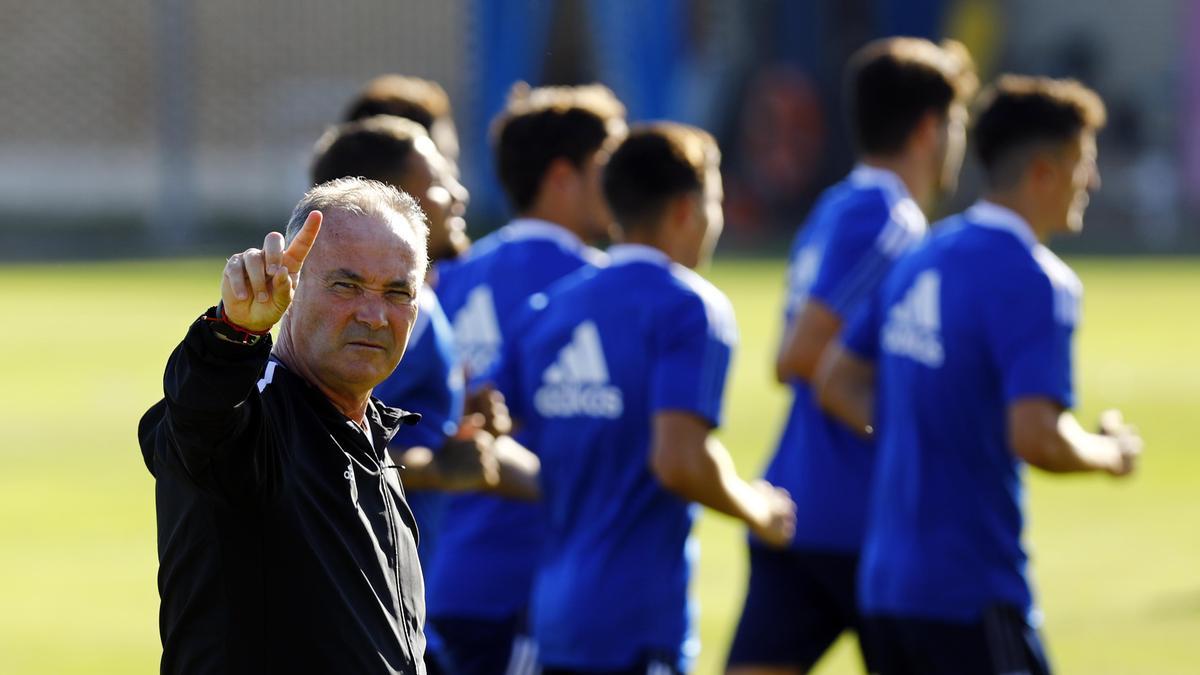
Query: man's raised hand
258	284
1129	442
779	525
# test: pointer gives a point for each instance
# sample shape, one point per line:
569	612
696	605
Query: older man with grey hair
284	540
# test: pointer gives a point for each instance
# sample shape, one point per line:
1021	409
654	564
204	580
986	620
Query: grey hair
363	197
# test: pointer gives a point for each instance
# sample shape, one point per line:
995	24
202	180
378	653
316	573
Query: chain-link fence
162	125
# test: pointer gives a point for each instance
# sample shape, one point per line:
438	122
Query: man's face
952	137
429	178
708	220
1076	176
356	302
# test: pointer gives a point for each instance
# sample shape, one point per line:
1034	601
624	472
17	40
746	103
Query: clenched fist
777	526
258	284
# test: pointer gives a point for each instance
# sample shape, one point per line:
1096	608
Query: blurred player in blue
963	360
438	454
906	100
617	375
550	146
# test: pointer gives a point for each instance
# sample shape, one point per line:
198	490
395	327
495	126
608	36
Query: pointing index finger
298	250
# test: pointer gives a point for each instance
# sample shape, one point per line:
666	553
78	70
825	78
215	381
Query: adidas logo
577	384
914	324
477	332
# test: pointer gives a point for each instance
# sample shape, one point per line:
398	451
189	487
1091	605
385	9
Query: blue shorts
486	646
1001	643
797	604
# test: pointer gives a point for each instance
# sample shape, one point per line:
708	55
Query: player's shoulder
481	249
958	238
848	203
563	292
566	288
1058	273
1011	265
689	291
874	204
1065	286
458	274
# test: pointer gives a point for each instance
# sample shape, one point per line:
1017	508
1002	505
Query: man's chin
1075	224
368	372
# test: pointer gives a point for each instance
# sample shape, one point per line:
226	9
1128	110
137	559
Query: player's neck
657	239
555	216
912	171
1015	201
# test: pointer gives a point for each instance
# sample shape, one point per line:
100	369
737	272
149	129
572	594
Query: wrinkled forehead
378	248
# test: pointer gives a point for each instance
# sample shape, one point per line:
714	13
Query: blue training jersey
592	363
850	241
429	381
486	557
979	316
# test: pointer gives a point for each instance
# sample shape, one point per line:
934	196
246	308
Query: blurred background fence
143	127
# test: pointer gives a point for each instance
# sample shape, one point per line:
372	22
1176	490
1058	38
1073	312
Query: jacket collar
388	419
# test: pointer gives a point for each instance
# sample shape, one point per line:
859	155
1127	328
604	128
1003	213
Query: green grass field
82	351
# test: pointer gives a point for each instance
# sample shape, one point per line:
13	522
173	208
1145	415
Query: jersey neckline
620	254
993	216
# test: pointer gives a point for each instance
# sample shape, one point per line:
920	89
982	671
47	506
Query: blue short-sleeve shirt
486	556
855	233
598	357
979	316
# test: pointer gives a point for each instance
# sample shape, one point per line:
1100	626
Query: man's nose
371	311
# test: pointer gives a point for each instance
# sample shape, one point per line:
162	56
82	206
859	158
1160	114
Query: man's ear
680	211
930	128
1043	166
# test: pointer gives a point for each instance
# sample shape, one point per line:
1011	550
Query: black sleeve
210	426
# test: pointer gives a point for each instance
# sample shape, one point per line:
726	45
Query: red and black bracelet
229	330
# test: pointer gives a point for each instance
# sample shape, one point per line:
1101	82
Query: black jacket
284	541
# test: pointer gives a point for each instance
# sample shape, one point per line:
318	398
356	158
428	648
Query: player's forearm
805	341
1053	441
791	365
846	390
709	478
519	470
853	406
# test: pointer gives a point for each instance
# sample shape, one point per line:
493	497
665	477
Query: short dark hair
654	164
377	148
422	101
892	83
540	125
1019	113
419	100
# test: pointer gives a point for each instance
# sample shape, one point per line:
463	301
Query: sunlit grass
82	352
